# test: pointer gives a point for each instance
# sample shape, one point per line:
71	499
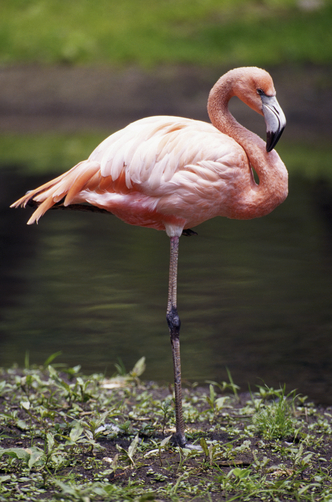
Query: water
254	296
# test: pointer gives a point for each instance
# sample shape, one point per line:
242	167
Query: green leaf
80	382
35	455
51	358
76	432
5	478
103	417
25	404
139	368
165	441
220	402
20	453
53	373
204	446
50	441
29	380
212	393
21	424
132	448
240	473
2	386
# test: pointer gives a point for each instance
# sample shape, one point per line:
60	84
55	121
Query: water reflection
254	296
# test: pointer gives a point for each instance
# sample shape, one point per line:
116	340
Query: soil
72	99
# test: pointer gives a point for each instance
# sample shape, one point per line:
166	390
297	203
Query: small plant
129	454
227	386
166	410
275	419
215	403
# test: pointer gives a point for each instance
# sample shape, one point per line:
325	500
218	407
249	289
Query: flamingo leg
173	321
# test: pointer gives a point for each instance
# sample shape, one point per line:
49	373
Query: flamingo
173	173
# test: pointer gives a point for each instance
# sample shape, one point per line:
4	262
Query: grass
274	421
147	33
66	436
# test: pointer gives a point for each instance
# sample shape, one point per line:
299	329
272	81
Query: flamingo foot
179	439
188	232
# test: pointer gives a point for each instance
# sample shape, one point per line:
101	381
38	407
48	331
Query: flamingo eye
260	92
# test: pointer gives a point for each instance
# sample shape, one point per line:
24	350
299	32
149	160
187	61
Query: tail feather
33	194
81	180
67	185
42	208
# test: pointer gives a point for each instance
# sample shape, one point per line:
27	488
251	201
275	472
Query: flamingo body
167	173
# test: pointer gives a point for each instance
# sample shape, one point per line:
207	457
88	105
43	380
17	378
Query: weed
275	419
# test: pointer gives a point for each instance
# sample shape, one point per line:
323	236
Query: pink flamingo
173	173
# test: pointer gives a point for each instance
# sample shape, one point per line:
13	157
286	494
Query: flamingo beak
275	120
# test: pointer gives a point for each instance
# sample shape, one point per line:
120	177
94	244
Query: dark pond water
254	296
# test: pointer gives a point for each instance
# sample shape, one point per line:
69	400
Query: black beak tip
270	144
272	139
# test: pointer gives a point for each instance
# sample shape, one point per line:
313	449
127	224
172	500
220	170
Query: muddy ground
65	98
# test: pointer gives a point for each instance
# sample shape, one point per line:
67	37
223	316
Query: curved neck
273	177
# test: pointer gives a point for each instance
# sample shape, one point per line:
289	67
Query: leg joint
173	321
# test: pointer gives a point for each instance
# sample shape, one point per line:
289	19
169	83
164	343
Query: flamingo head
254	87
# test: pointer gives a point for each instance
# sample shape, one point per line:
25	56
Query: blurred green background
148	33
